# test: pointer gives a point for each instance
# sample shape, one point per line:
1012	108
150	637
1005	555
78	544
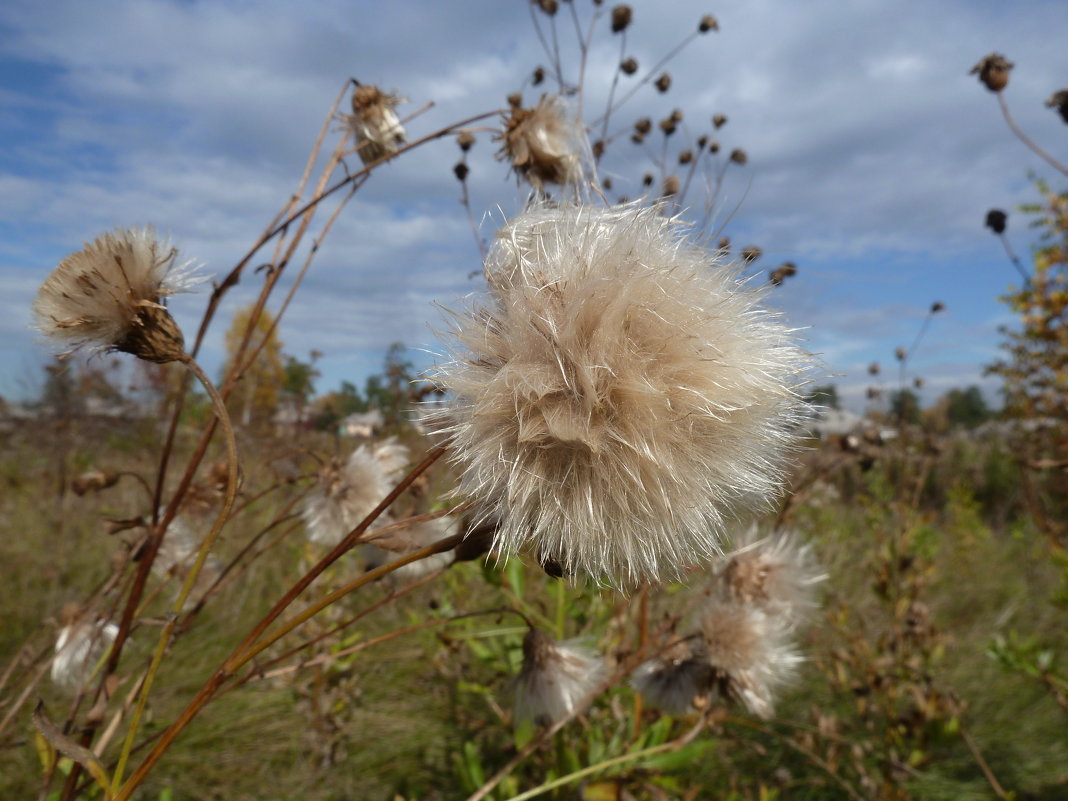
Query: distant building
361	424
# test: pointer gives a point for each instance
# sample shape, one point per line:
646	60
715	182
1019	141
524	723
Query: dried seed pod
515	100
629	66
550	7
719	120
676	114
668	126
750	254
776	276
738	156
671	186
465	139
538	76
788	268
873	368
598	149
1059	101
461	170
724	243
607	184
937	306
647	179
708	23
663	83
685	157
637	138
374	123
94	481
713	147
993	71
644	125
900	354
996	221
621	18
702	140
622	200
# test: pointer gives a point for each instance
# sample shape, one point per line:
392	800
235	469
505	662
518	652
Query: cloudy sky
873	155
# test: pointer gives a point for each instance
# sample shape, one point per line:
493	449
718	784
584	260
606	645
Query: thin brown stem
1026	139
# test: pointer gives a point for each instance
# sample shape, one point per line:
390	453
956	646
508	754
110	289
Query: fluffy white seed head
79	646
109	296
555	678
347	494
543	144
751	652
774	573
176	556
617	397
414	538
374	123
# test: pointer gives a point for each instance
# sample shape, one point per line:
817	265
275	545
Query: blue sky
873	155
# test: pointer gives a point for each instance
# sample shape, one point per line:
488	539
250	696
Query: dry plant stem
814	758
671	745
991	779
1026	139
247	648
615	83
648	76
1014	258
191	576
555	62
465	201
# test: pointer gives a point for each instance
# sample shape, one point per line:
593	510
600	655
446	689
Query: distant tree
388	391
966	407
825	395
255	397
299	383
905	407
333	407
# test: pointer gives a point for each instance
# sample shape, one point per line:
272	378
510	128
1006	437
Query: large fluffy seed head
543	143
555	678
79	646
617	397
751	652
108	296
374	123
347	494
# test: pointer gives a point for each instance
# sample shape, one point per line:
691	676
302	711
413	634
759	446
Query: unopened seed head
621	18
739	156
629	66
465	139
671	186
997	220
719	120
663	83
1059	101
708	23
993	71
374	123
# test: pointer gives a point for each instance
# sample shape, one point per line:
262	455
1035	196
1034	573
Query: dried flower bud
724	243
937	306
713	147
738	156
465	139
750	254
671	186
538	76
708	23
900	354
94	481
873	368
598	149
647	179
685	157
374	123
702	140
629	66
461	171
663	83
776	276
644	125
668	126
622	200
607	184
550	7
621	18
637	138
515	100
996	220
993	71
1059	100
676	114
788	268
719	120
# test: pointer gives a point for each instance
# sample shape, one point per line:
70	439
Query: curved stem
194	571
1026	139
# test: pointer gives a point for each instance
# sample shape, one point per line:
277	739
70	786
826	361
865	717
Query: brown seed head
668	126
993	71
917	383
719	120
515	100
663	83
900	354
724	243
637	138
598	149
708	23
1059	100
776	276
647	179
996	221
550	7
873	368
374	123
538	76
629	66
94	481
750	254
937	306
644	125
702	140
671	186
607	183
461	171
738	156
621	18
465	139
542	143
713	146
685	157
